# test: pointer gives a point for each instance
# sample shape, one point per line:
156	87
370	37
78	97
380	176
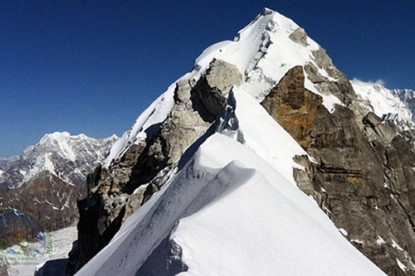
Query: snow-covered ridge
237	179
263	51
211	212
155	113
205	219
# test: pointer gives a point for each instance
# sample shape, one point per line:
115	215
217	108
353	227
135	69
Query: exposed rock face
116	192
335	83
299	36
294	106
363	177
47	198
219	79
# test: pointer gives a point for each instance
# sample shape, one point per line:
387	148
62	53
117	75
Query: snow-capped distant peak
69	157
62	141
385	103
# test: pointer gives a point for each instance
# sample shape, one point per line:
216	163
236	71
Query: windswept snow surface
231	213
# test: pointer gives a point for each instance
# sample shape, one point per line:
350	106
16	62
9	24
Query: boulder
299	36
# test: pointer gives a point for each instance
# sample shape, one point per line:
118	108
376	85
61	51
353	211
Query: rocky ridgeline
116	192
361	174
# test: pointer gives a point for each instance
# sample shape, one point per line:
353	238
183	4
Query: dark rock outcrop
362	176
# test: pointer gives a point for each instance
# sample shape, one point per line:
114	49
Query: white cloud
376	82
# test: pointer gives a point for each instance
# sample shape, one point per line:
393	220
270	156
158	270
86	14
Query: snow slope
233	209
232	214
408	97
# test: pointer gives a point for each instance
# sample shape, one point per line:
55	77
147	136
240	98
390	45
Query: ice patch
396	246
343	231
357	241
380	241
401	265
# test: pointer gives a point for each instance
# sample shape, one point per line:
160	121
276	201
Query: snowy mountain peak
267	10
397	106
55	135
263	51
264	135
268	18
260	43
68	157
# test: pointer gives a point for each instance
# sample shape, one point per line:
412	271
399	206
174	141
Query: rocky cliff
361	176
359	168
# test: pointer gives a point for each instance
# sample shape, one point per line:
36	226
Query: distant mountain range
45	181
70	158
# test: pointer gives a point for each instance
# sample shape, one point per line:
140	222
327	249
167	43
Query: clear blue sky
93	66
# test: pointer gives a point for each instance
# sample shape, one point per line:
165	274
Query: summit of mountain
266	152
